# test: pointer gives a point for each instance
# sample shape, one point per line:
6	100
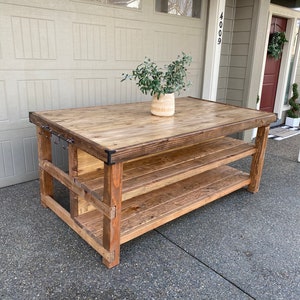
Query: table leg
45	153
73	172
112	196
258	158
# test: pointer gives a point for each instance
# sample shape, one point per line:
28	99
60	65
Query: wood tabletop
116	133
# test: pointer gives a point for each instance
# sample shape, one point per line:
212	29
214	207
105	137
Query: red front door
272	68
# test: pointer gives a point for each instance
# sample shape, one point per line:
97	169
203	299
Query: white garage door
71	53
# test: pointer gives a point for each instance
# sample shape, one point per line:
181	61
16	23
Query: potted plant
293	117
162	83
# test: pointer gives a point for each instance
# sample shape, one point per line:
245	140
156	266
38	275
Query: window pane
125	3
188	8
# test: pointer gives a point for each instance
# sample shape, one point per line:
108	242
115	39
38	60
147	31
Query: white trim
284	68
213	50
296	58
291	16
262	73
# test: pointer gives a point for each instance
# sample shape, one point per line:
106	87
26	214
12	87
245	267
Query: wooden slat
73	173
130	131
88	163
112	196
75	187
258	159
90	167
65	216
178	199
155	180
150	173
153	209
45	153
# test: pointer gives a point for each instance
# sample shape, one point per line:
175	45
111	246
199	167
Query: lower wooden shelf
146	212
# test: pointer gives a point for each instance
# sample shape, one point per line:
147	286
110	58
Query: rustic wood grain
82	232
258	159
77	188
45	153
130	172
91	168
112	196
73	172
144	213
129	130
156	171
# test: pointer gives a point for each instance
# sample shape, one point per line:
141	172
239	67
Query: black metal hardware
109	156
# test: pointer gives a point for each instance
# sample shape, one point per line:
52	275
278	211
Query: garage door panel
61	54
89	41
129	44
3	110
37	95
6	159
13	162
34	38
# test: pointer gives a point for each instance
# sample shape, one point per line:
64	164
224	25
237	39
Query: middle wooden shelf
156	171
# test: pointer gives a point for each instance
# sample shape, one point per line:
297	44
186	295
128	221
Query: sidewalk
243	246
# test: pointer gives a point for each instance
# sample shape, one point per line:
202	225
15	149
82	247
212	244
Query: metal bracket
109	157
47	128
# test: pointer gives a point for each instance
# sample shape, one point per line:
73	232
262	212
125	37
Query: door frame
214	35
291	16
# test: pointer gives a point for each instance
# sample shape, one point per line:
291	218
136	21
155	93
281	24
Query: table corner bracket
109	156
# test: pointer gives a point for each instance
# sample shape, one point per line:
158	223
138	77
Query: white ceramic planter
164	106
293	122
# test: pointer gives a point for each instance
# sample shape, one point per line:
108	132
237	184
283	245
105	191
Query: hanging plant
276	42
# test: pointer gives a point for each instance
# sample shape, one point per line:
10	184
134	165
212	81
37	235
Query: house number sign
220	31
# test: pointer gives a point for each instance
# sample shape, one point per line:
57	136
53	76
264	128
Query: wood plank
179	155
77	188
153	172
151	210
88	163
112	196
152	181
92	168
172	210
73	172
65	216
258	159
130	131
45	153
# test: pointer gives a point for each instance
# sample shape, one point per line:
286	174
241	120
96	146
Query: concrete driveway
242	246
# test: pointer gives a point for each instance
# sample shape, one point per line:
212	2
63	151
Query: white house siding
71	53
235	50
226	50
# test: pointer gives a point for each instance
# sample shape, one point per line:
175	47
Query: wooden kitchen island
130	172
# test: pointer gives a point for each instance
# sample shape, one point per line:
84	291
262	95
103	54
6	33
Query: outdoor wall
240	52
226	50
71	53
235	50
